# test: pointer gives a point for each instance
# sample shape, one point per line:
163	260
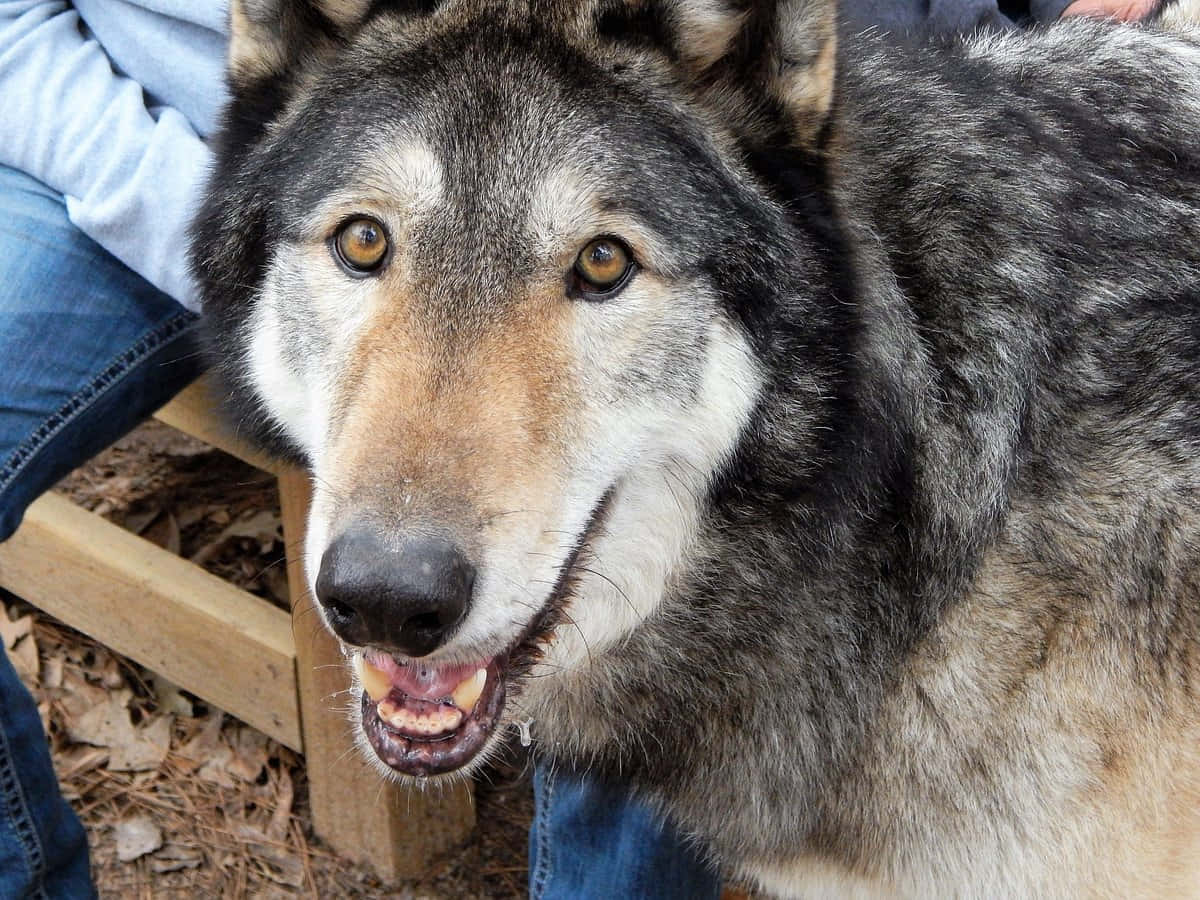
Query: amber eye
602	267
360	245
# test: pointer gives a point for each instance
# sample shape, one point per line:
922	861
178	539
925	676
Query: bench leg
396	830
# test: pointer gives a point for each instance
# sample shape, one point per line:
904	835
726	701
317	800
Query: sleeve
925	16
130	177
1047	10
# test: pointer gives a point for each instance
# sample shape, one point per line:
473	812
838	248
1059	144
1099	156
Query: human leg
592	840
43	848
87	350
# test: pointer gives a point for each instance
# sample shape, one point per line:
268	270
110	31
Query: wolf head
504	277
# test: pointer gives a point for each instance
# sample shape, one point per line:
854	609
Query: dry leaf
249	754
282	815
264	526
79	695
278	864
208	749
176	851
163	866
25	660
104	723
285	869
130	749
215	768
206	740
111	675
80	759
52	673
11	632
136	837
139	522
174	857
164	532
169	698
143	750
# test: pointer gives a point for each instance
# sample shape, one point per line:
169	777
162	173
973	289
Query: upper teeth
466	695
378	685
375	682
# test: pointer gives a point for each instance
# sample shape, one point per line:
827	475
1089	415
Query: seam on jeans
85	396
544	869
22	818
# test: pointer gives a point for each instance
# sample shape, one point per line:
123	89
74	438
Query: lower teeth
440	721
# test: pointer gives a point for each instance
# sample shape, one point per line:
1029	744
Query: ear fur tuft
806	65
707	30
255	43
266	35
778	54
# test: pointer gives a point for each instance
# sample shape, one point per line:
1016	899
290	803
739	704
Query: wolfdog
802	425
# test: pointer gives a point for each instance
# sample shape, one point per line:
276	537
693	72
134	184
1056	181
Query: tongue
422	682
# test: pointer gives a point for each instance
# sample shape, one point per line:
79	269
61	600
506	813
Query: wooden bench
281	673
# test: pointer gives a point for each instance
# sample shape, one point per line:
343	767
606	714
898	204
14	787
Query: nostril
337	609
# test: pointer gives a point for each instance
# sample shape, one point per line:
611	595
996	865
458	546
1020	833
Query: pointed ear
805	65
772	53
265	36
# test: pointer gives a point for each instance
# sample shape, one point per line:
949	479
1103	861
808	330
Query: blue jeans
87	350
591	841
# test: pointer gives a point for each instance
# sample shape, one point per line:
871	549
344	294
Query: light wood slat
192	411
231	648
397	830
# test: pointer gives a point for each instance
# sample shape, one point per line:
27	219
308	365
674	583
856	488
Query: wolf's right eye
602	268
360	245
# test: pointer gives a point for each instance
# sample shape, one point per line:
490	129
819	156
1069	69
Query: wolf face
488	287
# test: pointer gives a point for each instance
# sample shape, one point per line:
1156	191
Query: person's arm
130	178
1121	10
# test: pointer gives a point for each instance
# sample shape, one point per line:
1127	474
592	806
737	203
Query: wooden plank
193	411
223	644
399	831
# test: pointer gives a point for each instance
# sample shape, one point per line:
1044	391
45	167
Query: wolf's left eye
602	268
360	246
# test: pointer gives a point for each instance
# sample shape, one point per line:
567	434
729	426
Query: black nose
406	599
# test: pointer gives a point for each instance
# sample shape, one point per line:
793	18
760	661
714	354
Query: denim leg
43	848
87	347
87	350
591	840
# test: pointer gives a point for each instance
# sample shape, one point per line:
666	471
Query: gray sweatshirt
108	102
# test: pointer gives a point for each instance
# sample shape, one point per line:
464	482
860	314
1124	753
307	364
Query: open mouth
425	719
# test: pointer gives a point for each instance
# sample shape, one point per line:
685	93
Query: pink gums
419	680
